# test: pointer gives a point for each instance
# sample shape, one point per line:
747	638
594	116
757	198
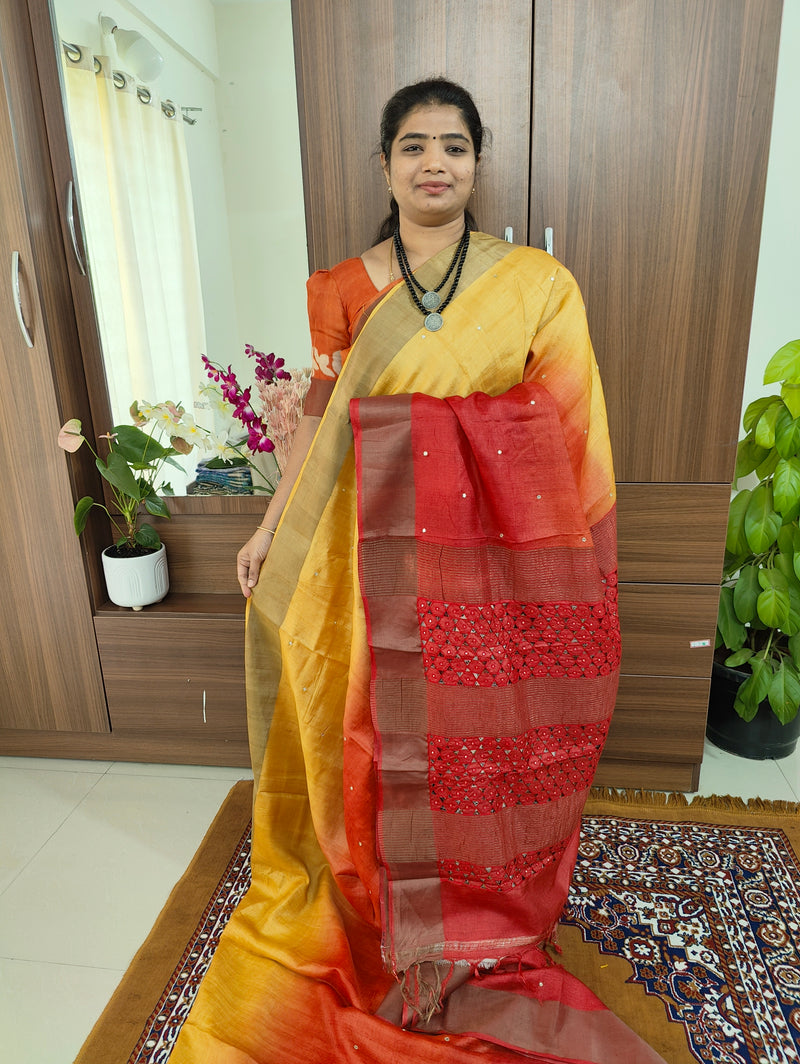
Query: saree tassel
423	988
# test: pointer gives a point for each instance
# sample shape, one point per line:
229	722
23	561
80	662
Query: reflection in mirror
190	193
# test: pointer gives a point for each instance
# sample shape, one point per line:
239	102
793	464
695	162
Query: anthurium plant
759	612
133	469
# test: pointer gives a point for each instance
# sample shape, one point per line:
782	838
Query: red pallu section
495	649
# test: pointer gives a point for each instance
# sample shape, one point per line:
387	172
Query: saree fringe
677	800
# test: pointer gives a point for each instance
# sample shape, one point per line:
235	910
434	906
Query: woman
432	651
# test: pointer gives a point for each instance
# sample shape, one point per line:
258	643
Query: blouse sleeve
330	336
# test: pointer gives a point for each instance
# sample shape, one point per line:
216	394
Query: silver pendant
431	300
434	322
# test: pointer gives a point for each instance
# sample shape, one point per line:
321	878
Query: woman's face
432	166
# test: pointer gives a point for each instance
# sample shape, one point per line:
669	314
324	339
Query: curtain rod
74	53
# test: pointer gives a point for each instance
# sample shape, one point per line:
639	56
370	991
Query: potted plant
755	690
135	566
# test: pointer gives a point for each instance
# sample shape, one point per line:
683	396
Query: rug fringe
677	800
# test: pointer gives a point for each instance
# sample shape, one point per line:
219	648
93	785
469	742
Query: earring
389	187
473	190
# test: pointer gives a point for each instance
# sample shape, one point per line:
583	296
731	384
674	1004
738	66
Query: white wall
263	176
776	309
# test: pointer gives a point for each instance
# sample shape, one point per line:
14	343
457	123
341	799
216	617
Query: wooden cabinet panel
651	126
49	668
660	720
352	55
672	533
659	624
173	676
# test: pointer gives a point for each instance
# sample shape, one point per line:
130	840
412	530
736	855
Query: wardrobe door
651	125
49	668
351	55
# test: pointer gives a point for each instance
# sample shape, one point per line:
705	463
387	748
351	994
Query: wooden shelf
181	603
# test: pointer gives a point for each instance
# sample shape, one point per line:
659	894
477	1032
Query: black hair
432	92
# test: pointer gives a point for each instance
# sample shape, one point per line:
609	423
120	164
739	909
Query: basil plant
759	610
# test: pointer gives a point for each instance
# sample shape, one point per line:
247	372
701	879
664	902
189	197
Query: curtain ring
168	107
144	94
119	79
72	52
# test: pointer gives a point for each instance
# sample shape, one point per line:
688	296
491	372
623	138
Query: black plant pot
761	738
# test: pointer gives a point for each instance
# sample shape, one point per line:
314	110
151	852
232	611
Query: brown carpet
683	918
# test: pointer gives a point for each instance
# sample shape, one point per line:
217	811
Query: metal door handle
17	299
548	239
508	236
71	226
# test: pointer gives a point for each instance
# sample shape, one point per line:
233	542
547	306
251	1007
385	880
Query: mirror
233	265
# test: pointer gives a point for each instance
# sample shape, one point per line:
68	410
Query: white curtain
138	226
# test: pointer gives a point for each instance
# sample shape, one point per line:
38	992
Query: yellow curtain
138	224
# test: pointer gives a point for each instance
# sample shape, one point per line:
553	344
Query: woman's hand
250	559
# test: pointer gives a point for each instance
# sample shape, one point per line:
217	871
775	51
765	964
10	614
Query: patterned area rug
697	906
709	918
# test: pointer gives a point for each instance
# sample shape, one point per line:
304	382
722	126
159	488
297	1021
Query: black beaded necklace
431	304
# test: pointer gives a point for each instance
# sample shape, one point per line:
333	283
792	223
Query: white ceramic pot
136	582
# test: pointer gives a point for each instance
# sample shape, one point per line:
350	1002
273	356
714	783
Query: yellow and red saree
432	658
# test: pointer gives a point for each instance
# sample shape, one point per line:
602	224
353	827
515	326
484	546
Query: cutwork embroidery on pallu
498	643
500	877
708	918
479	775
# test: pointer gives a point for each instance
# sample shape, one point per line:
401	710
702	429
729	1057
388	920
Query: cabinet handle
17	299
508	236
548	239
71	226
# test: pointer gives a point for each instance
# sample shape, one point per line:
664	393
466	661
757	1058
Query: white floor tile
55	764
196	772
47	1010
34	803
92	893
790	768
723	773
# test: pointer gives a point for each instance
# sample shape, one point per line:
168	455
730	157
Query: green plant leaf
745	594
749	456
784	365
791	626
772	607
754	689
764	434
794	649
146	536
790	393
739	657
729	627
787	434
766	468
786	484
761	523
157	507
755	410
735	538
137	447
784	694
772	579
117	472
82	509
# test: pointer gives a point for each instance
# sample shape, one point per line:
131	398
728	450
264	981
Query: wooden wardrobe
639	133
637	130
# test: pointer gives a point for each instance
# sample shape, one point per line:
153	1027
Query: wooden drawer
659	624
171	675
672	533
658	719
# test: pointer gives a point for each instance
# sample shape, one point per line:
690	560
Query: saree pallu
432	655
